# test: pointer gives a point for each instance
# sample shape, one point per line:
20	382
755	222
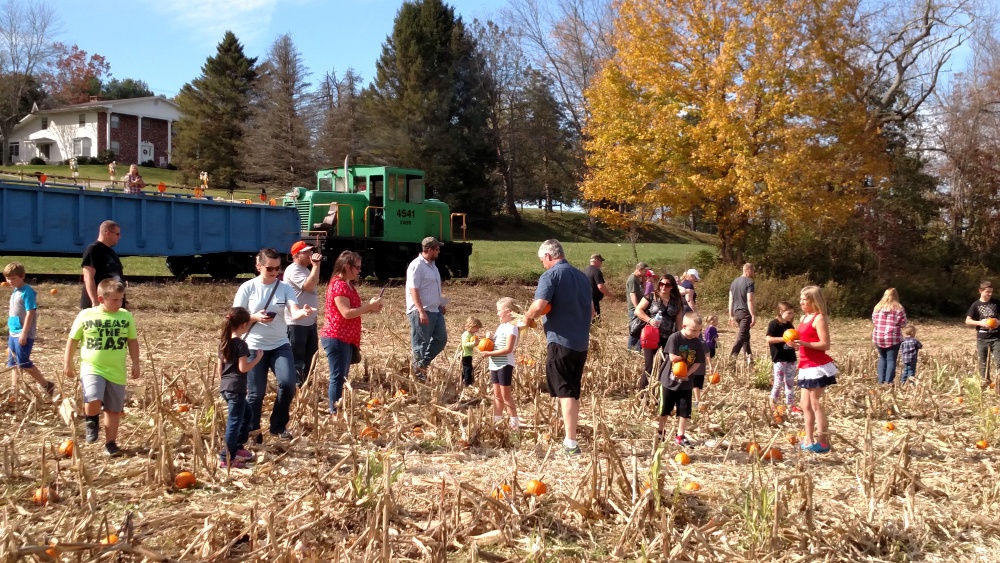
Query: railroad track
33	278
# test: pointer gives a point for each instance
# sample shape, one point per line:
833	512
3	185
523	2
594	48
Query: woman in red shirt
342	326
816	368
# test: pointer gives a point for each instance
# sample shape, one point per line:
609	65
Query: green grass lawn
134	265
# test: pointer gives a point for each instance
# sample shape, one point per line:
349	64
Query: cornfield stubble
428	481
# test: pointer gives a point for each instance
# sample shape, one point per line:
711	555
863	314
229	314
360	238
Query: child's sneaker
796	410
683	441
50	388
244	455
234	464
90	431
574	451
112	449
818	448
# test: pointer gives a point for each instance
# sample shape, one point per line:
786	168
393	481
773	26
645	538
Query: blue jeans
281	363
338	355
887	363
909	370
427	340
633	343
237	424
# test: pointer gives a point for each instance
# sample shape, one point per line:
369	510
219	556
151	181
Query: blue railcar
196	235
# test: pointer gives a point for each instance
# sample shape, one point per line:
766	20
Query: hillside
569	226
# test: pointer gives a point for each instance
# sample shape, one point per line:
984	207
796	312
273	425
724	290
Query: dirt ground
427	482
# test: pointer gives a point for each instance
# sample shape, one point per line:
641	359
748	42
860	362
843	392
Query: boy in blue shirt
22	322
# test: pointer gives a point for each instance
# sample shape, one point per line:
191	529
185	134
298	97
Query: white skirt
818	377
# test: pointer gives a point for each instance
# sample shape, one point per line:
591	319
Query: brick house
90	128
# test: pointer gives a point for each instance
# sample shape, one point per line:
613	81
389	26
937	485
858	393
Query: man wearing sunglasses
268	298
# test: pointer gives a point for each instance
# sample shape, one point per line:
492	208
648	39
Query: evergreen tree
277	138
214	109
125	89
429	106
343	126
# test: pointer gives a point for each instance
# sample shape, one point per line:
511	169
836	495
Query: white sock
514	422
497	419
569	443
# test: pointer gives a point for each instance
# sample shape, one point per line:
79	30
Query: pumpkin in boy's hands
680	370
992	323
485	345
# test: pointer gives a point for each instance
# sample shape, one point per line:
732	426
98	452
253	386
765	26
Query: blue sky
166	42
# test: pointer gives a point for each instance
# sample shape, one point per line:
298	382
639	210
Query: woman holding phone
342	326
267	298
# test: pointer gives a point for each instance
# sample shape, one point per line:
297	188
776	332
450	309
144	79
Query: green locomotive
381	213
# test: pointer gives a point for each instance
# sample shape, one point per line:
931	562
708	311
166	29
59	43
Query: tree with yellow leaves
747	110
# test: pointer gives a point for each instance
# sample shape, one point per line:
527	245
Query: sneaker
50	388
112	449
818	448
420	374
283	435
90	431
234	464
796	410
574	451
805	447
245	455
683	441
663	434
258	438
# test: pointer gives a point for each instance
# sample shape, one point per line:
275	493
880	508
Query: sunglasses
666	284
271	268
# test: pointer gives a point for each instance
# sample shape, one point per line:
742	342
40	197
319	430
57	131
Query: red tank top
810	357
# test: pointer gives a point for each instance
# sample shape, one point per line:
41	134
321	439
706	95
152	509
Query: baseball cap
693	272
430	242
300	246
597	257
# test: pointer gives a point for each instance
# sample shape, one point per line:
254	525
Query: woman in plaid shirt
889	318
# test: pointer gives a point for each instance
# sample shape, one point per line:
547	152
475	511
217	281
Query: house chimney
95	98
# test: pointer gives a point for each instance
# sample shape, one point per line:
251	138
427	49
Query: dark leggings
743	320
648	355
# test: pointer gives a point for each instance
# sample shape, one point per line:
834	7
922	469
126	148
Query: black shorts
564	371
698	381
503	376
680	399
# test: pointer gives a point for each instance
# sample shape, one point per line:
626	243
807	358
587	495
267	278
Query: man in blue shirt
567	332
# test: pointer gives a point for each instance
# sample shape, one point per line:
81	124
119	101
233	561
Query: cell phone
270	314
381	291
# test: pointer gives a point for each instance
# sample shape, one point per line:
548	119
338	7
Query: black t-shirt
693	352
232	379
780	352
596	278
981	310
739	289
106	264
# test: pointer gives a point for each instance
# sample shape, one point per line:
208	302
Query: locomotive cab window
392	188
376	193
341	186
325	184
415	190
360	185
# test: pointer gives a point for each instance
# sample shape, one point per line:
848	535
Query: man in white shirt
303	275
425	307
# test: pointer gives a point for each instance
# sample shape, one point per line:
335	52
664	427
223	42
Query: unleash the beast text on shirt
104	342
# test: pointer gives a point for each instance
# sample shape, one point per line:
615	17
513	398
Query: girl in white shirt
501	363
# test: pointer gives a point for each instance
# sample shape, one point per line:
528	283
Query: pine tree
214	109
429	106
343	126
277	139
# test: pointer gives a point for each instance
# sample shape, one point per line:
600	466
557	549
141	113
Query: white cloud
205	21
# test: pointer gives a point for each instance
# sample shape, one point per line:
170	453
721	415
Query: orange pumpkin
66	448
680	370
792	439
992	323
982	444
53	291
889	426
791	335
547	309
753	448
401	393
184	480
778	419
682	458
418	432
369	432
43	495
52	552
536	487
485	345
959	400
500	491
4	283
693	486
374	403
110	540
773	454
183	407
995	410
714	378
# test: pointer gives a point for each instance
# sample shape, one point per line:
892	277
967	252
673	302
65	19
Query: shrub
170	166
81	160
148	164
37	161
104	157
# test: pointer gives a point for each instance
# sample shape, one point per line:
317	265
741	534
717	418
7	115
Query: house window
15	151
114	123
83	119
43	151
81	147
45	123
116	148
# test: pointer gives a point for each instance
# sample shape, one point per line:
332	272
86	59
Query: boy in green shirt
104	333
